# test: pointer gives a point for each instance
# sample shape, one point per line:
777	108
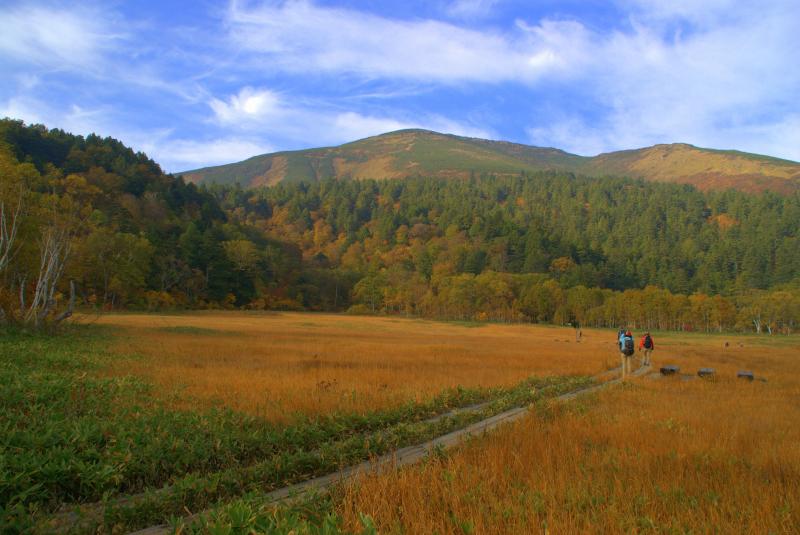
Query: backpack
627	346
648	342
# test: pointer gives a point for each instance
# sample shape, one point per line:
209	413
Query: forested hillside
611	233
92	215
91	211
530	247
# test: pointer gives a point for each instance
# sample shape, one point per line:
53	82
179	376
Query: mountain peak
417	151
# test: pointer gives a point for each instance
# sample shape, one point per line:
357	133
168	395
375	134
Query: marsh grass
656	456
199	491
278	366
72	433
220	405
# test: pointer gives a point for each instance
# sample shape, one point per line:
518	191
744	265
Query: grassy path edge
403	456
72	518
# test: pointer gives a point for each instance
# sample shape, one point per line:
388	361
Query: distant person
626	351
646	345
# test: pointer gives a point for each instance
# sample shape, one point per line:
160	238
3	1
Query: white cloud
300	37
569	133
54	38
21	108
73	118
248	104
727	84
38	42
173	154
261	112
676	71
718	73
182	154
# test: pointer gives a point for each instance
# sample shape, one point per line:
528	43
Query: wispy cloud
256	75
711	84
54	38
21	108
183	154
72	118
707	12
301	37
262	112
173	153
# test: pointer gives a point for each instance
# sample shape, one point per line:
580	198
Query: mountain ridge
418	152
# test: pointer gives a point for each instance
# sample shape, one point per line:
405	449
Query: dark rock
669	370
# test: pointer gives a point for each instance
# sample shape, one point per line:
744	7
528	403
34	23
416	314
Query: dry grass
273	365
659	455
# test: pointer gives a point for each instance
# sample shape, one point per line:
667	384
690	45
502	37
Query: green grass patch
312	515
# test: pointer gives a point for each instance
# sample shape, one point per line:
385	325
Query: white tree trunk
9	226
55	249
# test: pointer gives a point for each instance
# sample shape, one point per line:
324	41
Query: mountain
424	153
707	169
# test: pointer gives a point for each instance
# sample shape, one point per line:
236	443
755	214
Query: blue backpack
627	346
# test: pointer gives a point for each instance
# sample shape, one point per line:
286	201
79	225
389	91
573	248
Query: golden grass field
655	456
274	365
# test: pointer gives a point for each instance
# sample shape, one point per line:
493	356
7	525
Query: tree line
88	222
508	297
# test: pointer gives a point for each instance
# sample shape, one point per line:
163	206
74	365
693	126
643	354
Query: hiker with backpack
647	345
626	350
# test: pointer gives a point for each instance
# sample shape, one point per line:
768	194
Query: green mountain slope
423	153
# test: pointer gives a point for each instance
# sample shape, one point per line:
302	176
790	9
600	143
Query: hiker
626	352
646	345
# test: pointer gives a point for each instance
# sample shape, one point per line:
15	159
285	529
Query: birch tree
14	199
10	216
54	250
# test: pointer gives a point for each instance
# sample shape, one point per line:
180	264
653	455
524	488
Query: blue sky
202	83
